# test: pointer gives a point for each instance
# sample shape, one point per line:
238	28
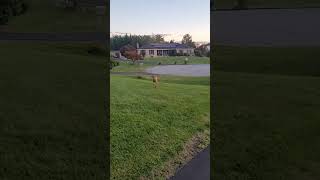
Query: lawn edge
191	148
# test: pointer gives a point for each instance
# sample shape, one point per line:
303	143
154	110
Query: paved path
267	27
181	70
197	169
55	37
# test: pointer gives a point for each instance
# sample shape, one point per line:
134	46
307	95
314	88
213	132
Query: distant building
165	49
91	3
82	4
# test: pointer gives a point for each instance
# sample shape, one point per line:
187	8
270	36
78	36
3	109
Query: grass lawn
266	114
228	4
43	16
52	112
148	62
149	126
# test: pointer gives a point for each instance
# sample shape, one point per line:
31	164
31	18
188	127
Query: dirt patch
196	144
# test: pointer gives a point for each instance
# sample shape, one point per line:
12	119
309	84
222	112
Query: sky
174	17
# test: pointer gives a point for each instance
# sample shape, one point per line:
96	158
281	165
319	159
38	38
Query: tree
118	41
172	41
158	38
132	55
187	40
127	48
202	51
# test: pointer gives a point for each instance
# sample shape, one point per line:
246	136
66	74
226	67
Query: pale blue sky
175	17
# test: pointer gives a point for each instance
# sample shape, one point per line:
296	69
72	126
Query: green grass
43	16
283	61
228	4
150	126
149	62
266	119
52	112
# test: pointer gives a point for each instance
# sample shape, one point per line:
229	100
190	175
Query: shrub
241	4
113	64
208	54
96	50
4	15
11	8
67	4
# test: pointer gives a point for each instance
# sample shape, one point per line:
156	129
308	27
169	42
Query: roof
164	46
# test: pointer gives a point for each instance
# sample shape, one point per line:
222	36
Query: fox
155	80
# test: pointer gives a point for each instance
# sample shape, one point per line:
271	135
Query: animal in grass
155	80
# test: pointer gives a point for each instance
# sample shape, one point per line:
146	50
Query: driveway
197	169
267	27
197	70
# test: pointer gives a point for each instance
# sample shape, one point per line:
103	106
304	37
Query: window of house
159	52
151	52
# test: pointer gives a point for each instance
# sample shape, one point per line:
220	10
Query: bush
241	4
67	4
96	50
11	8
113	64
4	15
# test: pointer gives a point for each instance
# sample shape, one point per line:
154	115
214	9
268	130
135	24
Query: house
165	49
85	5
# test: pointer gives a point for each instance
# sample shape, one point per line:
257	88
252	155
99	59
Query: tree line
118	41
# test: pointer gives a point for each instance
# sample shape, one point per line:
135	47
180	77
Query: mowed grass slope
52	112
266	119
301	61
149	126
44	16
